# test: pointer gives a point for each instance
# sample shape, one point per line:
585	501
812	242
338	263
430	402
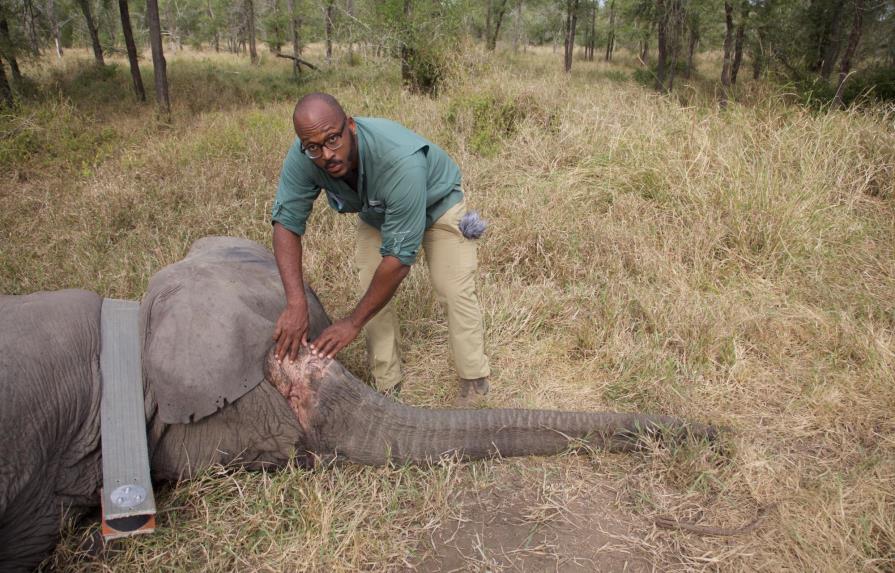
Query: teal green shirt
404	184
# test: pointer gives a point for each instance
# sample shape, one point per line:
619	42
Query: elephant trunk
344	417
401	433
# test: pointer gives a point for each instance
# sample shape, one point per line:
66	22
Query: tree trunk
250	27
5	90
758	55
158	58
691	50
738	43
830	51
853	39
662	61
349	9
328	29
31	27
94	35
8	49
295	25
517	32
54	25
728	49
592	45
610	38
675	33
406	50
216	38
571	21
489	10
498	19
131	50
644	47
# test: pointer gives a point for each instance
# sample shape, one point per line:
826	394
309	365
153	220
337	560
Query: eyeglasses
332	142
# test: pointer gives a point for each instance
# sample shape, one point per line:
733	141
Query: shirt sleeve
405	209
296	193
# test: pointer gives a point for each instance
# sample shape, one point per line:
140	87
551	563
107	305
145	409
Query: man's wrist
297	303
356	321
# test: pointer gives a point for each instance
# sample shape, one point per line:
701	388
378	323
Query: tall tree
94	34
518	26
728	49
295	27
854	38
495	17
8	48
131	49
828	50
739	40
349	10
674	31
694	27
31	26
213	27
5	90
328	29
406	33
571	22
591	33
158	59
54	27
610	37
662	14
250	28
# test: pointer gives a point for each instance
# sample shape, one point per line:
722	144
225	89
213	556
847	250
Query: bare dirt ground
529	519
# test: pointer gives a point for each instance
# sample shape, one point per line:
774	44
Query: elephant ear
208	322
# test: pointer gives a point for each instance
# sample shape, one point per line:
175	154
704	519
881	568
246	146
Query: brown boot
471	392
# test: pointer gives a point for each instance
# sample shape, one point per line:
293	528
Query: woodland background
691	214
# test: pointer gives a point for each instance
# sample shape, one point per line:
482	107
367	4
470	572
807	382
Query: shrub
488	119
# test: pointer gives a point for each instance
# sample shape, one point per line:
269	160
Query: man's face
320	128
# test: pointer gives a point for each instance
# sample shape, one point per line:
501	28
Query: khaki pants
452	265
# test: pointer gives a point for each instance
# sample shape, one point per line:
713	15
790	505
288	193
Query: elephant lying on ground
214	394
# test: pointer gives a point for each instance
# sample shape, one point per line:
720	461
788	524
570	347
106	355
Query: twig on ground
671	523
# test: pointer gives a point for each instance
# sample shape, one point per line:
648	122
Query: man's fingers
332	347
276	333
294	348
281	350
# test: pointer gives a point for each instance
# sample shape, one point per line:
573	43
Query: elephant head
214	398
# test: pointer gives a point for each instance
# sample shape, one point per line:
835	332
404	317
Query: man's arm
292	327
386	279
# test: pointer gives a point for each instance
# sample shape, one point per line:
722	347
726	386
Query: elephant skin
50	387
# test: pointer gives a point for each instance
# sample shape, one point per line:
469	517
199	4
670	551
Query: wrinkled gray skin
50	423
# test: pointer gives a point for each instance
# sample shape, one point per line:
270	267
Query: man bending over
407	193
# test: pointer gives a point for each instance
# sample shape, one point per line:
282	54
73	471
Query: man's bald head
315	104
322	126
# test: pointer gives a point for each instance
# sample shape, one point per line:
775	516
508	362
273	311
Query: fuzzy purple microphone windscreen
472	225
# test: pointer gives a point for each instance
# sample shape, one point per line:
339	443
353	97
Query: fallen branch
670	523
299	60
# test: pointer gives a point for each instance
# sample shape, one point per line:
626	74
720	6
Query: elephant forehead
207	325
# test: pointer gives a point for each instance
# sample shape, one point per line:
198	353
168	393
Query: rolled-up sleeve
296	193
405	209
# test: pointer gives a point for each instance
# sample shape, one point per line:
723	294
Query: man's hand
291	331
336	337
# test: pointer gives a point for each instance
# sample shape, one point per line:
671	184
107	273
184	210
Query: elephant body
50	388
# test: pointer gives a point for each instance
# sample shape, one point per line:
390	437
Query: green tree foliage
802	42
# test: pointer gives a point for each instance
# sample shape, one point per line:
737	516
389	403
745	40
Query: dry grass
730	267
